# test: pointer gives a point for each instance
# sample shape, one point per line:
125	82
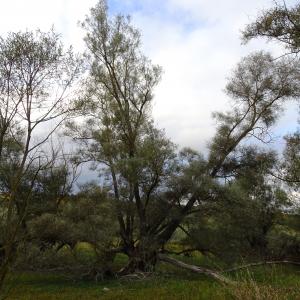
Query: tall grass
266	283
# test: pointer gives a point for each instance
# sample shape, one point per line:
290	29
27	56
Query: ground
168	282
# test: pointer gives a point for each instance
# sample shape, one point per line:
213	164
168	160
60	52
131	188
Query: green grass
266	282
35	286
168	282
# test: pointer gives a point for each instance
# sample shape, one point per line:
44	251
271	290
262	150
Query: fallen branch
211	273
279	262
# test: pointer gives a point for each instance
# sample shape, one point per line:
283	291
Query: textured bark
141	258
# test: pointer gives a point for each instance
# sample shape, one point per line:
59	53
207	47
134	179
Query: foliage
84	218
36	73
278	23
291	163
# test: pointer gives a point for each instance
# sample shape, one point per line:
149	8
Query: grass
35	286
261	282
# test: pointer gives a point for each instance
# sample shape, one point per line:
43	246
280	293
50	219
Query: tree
260	85
282	24
290	167
279	23
247	207
36	75
155	191
136	155
85	217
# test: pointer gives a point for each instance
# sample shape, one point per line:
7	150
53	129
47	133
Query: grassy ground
268	282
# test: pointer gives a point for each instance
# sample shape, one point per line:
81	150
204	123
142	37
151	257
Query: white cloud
197	42
18	15
197	54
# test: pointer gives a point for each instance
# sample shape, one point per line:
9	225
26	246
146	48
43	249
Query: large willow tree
119	132
154	190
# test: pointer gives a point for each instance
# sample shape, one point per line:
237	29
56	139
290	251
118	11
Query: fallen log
211	273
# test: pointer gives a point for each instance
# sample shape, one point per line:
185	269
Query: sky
197	43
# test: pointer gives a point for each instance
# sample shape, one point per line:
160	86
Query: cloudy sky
197	42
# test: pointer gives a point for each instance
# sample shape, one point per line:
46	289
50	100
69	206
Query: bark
141	258
210	273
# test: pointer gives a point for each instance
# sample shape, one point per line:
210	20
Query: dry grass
253	291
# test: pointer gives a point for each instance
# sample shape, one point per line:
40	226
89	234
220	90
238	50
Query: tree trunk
7	259
142	258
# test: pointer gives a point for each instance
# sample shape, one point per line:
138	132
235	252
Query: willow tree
154	190
281	24
119	131
36	81
290	168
